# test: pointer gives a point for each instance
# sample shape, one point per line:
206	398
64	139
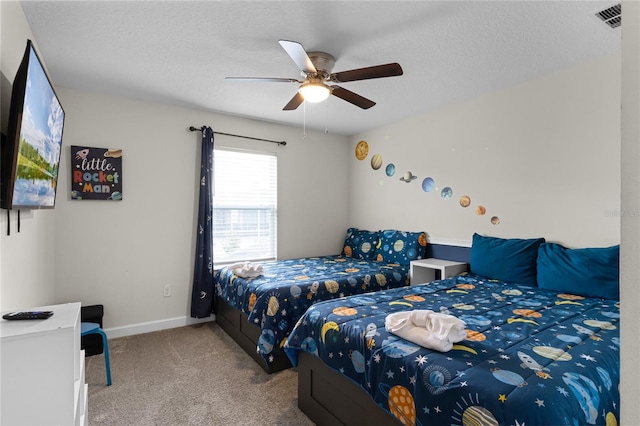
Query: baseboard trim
148	327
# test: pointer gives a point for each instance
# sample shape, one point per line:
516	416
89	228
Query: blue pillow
590	272
401	247
512	260
360	244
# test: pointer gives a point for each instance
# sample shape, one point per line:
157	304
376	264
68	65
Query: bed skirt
236	324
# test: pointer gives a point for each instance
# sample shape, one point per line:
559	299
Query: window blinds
245	206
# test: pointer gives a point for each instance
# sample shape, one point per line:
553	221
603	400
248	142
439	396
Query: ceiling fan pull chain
304	120
326	117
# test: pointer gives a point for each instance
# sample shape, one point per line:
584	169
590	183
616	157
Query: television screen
31	152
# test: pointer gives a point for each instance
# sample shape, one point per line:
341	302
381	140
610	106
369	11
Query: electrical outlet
166	290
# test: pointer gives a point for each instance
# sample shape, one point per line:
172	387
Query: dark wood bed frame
325	396
329	398
236	324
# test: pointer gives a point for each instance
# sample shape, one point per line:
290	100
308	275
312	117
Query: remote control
27	315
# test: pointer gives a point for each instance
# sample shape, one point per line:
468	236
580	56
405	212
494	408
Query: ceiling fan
315	68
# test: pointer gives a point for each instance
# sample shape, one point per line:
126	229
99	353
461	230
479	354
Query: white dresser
42	369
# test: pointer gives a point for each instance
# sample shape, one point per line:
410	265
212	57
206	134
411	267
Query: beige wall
30	274
542	156
630	221
121	254
27	262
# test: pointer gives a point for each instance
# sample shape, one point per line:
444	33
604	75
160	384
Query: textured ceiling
179	52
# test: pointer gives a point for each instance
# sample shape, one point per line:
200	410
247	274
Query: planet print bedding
275	300
530	357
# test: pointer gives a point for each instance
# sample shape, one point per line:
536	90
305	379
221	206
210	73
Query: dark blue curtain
202	296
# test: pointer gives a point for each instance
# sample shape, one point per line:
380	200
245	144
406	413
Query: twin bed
260	312
542	334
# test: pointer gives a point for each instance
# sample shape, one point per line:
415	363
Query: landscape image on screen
40	141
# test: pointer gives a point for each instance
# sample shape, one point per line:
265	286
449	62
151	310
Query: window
244	206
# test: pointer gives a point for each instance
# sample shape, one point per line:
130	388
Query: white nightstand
426	270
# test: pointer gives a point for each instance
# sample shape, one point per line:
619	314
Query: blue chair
93	328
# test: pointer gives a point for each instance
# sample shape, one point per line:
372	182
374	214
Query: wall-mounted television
31	150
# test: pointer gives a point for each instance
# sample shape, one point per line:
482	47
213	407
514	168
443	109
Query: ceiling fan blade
261	79
378	71
351	97
299	56
294	102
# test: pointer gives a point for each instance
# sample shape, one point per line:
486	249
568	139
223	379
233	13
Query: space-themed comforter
531	356
275	300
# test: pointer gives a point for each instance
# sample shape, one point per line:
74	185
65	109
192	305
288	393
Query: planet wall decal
428	184
446	193
376	161
362	150
408	177
391	169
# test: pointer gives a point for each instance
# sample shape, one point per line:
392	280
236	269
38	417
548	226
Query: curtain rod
195	129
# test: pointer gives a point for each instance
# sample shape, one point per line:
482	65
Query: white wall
26	259
630	222
121	254
543	156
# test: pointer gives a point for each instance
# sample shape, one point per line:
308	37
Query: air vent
612	16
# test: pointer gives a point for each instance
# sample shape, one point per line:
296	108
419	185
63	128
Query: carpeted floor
193	375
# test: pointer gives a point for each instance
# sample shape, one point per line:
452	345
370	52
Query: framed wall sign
96	173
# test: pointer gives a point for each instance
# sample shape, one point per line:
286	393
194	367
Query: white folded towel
426	328
246	269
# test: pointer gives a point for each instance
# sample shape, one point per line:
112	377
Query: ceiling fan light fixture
314	92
